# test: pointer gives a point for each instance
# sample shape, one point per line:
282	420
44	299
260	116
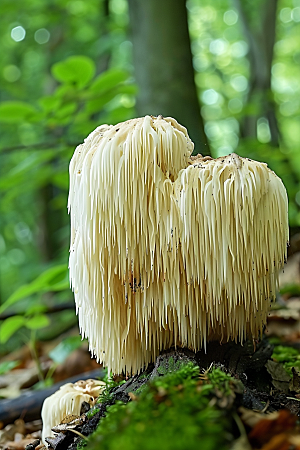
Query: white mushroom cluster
167	249
68	401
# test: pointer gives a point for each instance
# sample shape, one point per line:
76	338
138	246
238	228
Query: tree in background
260	118
260	32
163	65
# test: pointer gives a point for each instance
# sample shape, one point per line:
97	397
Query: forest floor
258	405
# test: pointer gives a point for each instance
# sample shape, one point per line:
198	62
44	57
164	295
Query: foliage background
66	66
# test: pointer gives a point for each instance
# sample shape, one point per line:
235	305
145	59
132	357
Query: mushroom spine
167	249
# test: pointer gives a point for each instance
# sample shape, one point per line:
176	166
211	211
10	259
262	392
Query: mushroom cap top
160	141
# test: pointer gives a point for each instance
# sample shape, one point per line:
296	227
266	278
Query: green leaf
53	279
130	89
117	115
61	180
20	171
35	180
43	384
65	348
35	309
66	110
21	292
15	112
6	366
37	322
50	103
77	70
65	92
108	80
97	104
10	326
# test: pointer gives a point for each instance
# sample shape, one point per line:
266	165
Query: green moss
81	444
176	373
174	412
169	365
143	376
92	411
106	395
221	380
289	356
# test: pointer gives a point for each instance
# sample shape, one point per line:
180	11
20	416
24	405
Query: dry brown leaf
280	378
241	443
266	429
132	396
18	445
284	314
251	418
34	427
295	440
12	382
10	392
283	328
8	433
293	303
23	355
291	272
278	442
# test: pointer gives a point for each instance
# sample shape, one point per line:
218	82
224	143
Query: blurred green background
67	66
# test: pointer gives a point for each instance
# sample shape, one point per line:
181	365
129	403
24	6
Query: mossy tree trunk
163	65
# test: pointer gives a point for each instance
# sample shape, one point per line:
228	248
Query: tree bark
51	221
260	33
163	65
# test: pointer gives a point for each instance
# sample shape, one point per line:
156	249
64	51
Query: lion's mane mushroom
167	249
234	235
68	401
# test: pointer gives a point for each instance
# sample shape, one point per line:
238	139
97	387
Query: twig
38	146
79	434
50	310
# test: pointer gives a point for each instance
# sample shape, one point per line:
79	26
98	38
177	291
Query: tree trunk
51	222
261	38
260	32
163	65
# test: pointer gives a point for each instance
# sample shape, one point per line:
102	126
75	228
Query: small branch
78	433
39	146
51	310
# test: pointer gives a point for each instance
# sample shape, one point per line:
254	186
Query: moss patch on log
177	410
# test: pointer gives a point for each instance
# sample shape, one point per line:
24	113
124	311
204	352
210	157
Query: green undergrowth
288	356
178	410
290	290
106	395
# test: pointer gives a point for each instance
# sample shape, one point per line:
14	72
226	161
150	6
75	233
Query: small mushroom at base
68	401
